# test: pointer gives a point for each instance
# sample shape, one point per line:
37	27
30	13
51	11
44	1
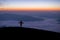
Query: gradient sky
29	5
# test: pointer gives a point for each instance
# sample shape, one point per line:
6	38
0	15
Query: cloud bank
47	24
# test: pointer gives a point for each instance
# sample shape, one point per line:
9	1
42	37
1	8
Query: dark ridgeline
34	32
40	33
21	22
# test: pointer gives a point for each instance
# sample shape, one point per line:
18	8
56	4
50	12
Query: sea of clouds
47	24
50	24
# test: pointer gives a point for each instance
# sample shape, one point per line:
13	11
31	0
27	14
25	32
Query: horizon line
29	9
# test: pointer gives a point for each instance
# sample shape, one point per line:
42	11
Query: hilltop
29	31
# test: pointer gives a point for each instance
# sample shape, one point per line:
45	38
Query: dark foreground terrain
30	31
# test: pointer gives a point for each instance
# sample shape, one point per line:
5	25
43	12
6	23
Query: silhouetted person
21	22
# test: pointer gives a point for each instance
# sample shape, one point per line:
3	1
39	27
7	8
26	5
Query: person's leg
20	25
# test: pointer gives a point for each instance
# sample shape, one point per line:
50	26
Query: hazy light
31	4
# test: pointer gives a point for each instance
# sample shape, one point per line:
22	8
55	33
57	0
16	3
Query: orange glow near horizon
17	9
29	5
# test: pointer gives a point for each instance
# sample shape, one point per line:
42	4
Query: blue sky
30	3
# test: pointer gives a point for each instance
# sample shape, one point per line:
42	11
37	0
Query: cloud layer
48	24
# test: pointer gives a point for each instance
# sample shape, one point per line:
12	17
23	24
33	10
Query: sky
29	5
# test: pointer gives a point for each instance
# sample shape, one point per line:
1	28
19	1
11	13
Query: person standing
21	22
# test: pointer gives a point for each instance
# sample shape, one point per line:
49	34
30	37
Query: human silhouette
21	22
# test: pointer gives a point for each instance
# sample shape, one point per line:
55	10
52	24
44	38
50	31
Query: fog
47	24
51	20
